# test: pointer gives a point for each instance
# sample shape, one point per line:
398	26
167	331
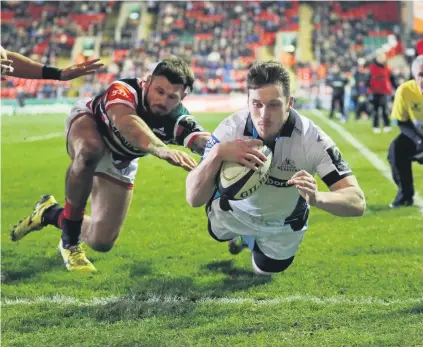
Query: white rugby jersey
276	207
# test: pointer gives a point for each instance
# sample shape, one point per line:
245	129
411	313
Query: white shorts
120	172
278	244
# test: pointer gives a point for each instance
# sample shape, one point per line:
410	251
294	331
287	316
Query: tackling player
408	145
17	65
272	222
105	137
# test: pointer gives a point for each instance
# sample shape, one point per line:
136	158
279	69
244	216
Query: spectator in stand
361	77
419	47
337	81
380	86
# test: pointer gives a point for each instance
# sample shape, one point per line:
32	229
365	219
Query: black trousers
359	108
337	99
400	155
380	101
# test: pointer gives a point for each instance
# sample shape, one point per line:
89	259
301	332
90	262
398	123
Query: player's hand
78	70
177	158
242	152
306	185
6	64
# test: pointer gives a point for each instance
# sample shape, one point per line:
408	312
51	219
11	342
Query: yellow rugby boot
75	259
35	220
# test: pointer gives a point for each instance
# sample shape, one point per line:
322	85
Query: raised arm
21	66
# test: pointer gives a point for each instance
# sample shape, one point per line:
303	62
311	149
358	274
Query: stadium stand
217	38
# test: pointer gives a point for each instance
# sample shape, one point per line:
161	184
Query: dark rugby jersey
179	127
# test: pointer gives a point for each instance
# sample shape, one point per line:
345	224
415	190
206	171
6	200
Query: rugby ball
237	182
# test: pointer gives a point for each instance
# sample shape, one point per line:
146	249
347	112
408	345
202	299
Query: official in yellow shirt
408	145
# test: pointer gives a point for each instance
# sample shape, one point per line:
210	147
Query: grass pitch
354	282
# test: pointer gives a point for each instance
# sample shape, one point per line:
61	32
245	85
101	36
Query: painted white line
65	300
378	163
37	138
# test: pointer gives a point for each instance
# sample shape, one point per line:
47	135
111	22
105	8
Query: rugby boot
75	259
35	220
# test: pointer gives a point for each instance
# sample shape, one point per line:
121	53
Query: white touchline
380	165
65	300
36	138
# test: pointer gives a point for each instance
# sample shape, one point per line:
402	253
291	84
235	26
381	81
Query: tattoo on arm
155	148
140	135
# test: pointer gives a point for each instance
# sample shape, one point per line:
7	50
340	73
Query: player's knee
90	153
265	266
101	246
101	237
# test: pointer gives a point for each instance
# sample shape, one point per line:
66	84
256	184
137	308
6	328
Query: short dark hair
176	70
262	73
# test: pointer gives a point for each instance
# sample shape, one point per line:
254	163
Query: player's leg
268	251
266	266
109	205
332	107
275	253
376	105
343	108
357	109
385	116
218	230
110	199
399	156
86	148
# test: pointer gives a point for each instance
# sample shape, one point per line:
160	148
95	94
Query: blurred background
219	39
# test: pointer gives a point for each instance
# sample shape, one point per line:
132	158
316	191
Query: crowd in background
217	38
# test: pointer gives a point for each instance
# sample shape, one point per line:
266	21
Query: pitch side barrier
194	103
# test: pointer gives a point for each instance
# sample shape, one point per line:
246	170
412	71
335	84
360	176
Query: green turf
168	277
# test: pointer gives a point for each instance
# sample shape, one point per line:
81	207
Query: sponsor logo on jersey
120	92
124	142
337	160
209	145
278	183
250	191
288	165
159	131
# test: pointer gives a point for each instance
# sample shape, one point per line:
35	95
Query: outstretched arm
21	66
140	136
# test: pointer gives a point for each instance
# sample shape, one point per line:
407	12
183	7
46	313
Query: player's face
418	75
161	96
269	109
